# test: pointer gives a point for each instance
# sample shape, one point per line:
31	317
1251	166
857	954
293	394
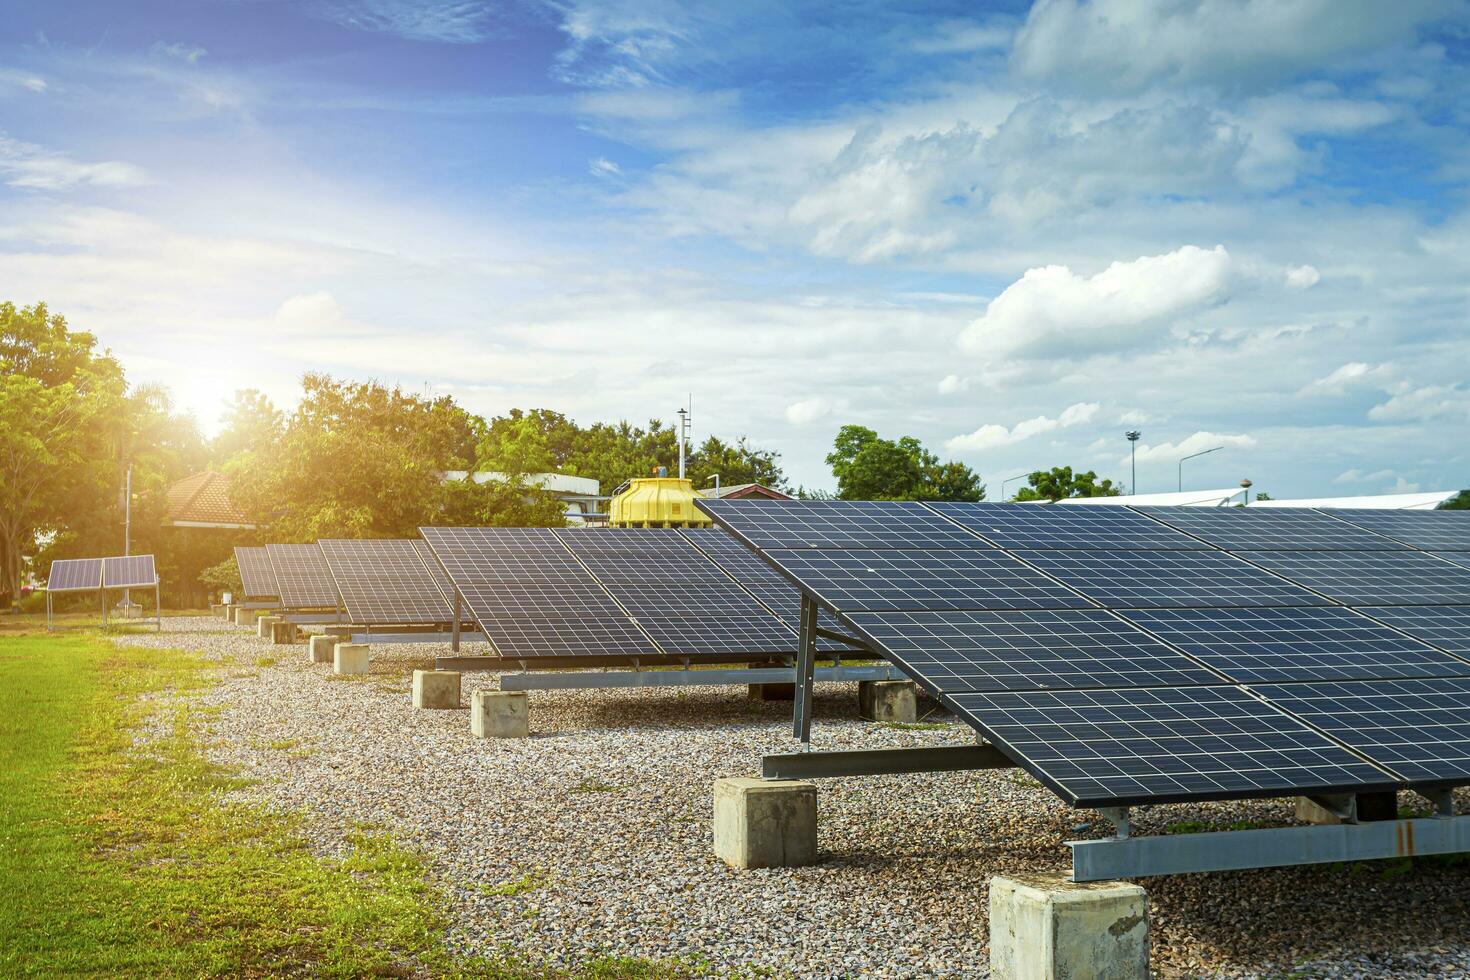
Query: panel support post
454	640
806	661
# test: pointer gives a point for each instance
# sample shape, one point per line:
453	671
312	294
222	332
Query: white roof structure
1383	501
1189	498
556	483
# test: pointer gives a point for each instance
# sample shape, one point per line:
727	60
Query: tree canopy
868	467
1060	481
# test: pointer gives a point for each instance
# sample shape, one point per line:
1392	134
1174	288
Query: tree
1460	501
1060	482
868	467
250	423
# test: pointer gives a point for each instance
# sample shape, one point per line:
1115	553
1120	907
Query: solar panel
891	579
719	634
1043	527
75	575
1372	577
1163	745
533	637
624	540
129	571
1429	530
1148	579
1447	627
1458	557
1271	528
384	581
1419	729
1005	651
1324	643
838	524
302	576
256	575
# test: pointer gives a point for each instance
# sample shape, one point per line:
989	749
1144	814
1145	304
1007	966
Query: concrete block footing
436	689
264	625
350	658
1044	926
282	632
1309	811
765	823
320	648
498	714
245	617
771	692
888	701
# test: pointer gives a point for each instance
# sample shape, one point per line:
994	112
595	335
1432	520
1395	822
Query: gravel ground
593	836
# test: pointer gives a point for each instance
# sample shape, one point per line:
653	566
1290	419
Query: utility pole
1132	435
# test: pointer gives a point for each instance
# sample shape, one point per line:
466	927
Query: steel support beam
593	679
1237	850
882	762
806	662
458	618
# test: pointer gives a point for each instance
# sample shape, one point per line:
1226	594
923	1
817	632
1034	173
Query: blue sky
1013	230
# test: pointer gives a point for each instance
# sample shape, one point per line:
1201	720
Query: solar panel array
256	574
91	574
1161	654
385	582
303	580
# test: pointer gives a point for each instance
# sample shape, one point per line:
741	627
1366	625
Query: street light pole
1132	436
1202	452
1010	479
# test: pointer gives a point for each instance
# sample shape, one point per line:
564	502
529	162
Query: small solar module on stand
103	575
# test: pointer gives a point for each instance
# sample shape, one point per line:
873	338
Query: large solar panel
384	581
1044	527
1370	578
624	541
1447	627
1324	643
1458	557
302	576
1148	579
1121	747
129	571
436	571
1419	729
539	637
891	579
838	524
1270	528
1429	530
256	574
958	650
75	575
722	635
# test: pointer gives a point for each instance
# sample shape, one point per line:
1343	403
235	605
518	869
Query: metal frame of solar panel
304	583
1182	689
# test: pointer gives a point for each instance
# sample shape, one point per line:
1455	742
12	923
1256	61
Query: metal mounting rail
403	636
882	762
680	677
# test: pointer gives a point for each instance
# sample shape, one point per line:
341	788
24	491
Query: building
579	493
203	500
742	491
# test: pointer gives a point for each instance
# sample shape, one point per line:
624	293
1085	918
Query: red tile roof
204	498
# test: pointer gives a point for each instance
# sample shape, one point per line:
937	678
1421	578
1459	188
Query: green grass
914	726
516	886
593	786
124	859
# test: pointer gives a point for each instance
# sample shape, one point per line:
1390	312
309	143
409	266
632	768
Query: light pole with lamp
1010	479
1202	452
1132	435
1246	486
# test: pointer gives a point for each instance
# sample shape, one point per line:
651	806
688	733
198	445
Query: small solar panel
848	581
1046	527
955	651
1164	744
1447	627
838	524
384	581
75	575
1458	557
1429	530
1419	729
1371	578
1324	643
1149	579
256	575
302	576
129	571
1270	528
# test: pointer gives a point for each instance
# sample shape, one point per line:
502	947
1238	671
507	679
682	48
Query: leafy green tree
1460	501
1060	482
868	467
250	423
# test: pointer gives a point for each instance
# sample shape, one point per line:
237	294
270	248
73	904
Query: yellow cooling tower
657	501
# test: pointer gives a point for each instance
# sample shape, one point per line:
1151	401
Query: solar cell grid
1429	530
1149	579
1419	729
1371	577
720	634
1273	528
129	571
1309	643
1004	651
1461	558
303	579
892	579
1447	627
630	540
256	575
1043	527
534	637
838	524
436	571
384	581
1159	745
688	602
74	575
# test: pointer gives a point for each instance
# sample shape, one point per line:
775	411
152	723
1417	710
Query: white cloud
38	168
444	21
189	54
991	436
1302	277
808	411
603	167
1410	404
1054	311
1358	476
1342	378
1133	417
11	77
1198	442
952	384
